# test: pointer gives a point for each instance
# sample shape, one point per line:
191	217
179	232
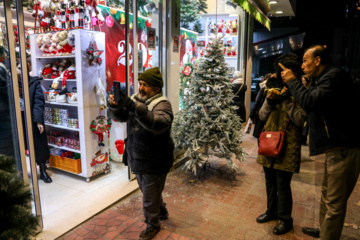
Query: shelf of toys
221	25
72	63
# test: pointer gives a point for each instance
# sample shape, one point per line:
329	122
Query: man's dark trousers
151	187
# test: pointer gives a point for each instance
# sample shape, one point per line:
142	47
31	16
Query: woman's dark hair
289	60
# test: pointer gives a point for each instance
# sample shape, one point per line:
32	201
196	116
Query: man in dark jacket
149	146
333	130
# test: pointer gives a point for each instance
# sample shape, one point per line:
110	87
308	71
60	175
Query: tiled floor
69	200
221	206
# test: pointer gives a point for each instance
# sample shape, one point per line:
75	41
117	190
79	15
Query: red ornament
120	146
187	70
148	23
109	21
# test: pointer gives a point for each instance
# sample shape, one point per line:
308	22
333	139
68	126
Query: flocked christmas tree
17	221
208	125
189	10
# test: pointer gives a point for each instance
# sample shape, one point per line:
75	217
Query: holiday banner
114	29
188	47
188	55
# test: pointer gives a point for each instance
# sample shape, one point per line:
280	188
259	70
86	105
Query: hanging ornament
100	91
109	21
187	70
113	11
100	126
122	18
94	53
148	23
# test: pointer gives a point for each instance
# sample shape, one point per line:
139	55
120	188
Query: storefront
80	52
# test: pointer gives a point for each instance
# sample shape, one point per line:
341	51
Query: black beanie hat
153	77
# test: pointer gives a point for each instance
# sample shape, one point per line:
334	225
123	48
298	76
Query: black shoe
148	233
283	227
263	218
43	175
164	214
314	232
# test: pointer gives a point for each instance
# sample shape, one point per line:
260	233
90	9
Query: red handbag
271	143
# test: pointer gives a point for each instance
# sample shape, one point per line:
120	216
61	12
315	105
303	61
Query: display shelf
61	104
64	148
68	80
54	57
87	108
62	127
230	40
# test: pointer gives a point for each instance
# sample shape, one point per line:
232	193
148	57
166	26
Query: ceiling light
273	2
260	49
279	12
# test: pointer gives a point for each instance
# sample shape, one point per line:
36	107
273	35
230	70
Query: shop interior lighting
273	2
279	12
150	7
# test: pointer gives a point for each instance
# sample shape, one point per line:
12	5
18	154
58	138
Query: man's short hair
321	51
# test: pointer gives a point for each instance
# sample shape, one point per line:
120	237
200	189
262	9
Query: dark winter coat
332	105
239	100
254	114
6	143
149	146
37	106
276	117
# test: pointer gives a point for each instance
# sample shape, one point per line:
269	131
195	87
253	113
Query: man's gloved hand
126	103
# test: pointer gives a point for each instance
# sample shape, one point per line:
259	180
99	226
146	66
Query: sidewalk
221	206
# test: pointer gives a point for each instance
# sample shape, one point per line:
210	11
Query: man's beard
143	96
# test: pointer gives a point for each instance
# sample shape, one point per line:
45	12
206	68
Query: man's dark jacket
149	146
332	105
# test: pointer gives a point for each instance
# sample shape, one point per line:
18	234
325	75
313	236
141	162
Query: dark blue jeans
151	187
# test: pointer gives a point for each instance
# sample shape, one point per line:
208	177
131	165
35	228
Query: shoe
148	233
314	232
164	214
263	218
43	175
283	227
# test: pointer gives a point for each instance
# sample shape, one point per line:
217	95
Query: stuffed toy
212	27
233	51
64	48
46	41
39	40
228	27
220	26
54	43
47	71
72	97
48	6
234	27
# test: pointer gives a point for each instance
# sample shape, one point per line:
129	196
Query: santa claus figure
188	56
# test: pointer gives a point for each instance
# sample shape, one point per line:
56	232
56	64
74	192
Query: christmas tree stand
208	166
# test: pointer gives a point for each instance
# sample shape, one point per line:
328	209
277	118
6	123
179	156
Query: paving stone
222	206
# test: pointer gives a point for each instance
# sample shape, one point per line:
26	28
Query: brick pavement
221	206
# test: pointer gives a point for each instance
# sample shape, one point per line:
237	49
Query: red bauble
109	21
148	23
